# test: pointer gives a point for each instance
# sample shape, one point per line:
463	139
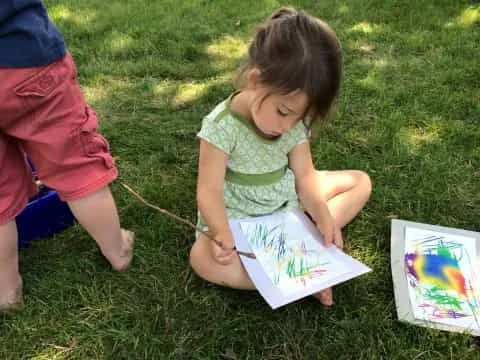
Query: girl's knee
195	258
205	266
201	261
364	182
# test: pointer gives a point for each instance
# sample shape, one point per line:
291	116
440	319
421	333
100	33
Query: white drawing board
436	276
291	261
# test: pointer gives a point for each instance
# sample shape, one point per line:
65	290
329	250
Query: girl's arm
211	173
309	192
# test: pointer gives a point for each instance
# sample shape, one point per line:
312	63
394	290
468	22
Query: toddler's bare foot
126	252
325	297
13	301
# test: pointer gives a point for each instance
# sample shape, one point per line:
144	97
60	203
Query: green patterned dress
258	181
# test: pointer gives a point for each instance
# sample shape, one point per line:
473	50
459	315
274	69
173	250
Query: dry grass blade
178	218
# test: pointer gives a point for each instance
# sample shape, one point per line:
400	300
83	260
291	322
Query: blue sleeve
27	36
9	8
6	10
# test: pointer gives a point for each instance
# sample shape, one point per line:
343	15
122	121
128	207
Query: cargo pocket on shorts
51	89
44	81
94	145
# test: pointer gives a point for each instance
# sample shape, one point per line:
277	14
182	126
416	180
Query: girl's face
275	114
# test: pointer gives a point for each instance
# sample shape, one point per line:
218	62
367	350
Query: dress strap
249	124
225	111
255	179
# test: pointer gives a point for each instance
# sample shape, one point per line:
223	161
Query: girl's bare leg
97	213
345	192
204	264
10	280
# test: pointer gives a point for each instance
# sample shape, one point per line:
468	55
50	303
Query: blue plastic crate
44	216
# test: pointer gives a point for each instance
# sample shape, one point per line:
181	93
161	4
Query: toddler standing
44	115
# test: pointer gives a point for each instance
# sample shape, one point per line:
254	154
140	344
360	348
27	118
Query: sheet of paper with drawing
436	278
291	261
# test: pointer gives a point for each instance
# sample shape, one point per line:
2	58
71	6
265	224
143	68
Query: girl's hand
332	234
223	249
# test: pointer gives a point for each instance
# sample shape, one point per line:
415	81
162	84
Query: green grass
408	115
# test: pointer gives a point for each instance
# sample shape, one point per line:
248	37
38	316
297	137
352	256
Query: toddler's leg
203	263
346	192
10	280
97	213
16	187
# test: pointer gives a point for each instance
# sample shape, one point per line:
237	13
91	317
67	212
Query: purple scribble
409	260
437	312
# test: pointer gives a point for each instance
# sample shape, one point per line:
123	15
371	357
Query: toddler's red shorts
44	116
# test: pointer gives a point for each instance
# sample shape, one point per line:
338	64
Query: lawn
408	115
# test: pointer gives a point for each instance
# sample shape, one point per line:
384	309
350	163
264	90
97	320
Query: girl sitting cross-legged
255	154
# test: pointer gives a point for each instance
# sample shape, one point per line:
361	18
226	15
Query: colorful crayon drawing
442	282
290	256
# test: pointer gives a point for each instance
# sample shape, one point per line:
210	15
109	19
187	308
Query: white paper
291	261
442	282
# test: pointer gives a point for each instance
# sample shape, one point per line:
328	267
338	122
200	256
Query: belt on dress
255	179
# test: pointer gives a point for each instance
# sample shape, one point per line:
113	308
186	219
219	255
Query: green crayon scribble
276	278
260	235
298	268
441	297
444	251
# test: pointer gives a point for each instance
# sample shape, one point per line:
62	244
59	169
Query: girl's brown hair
296	51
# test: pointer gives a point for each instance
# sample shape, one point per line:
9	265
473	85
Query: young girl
254	151
44	114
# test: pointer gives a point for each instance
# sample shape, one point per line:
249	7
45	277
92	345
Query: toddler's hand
223	250
332	234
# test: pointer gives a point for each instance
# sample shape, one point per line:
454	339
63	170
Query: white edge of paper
400	284
272	295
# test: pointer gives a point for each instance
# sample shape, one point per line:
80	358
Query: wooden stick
178	218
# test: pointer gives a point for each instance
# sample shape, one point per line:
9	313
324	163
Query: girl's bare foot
325	297
14	301
126	252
